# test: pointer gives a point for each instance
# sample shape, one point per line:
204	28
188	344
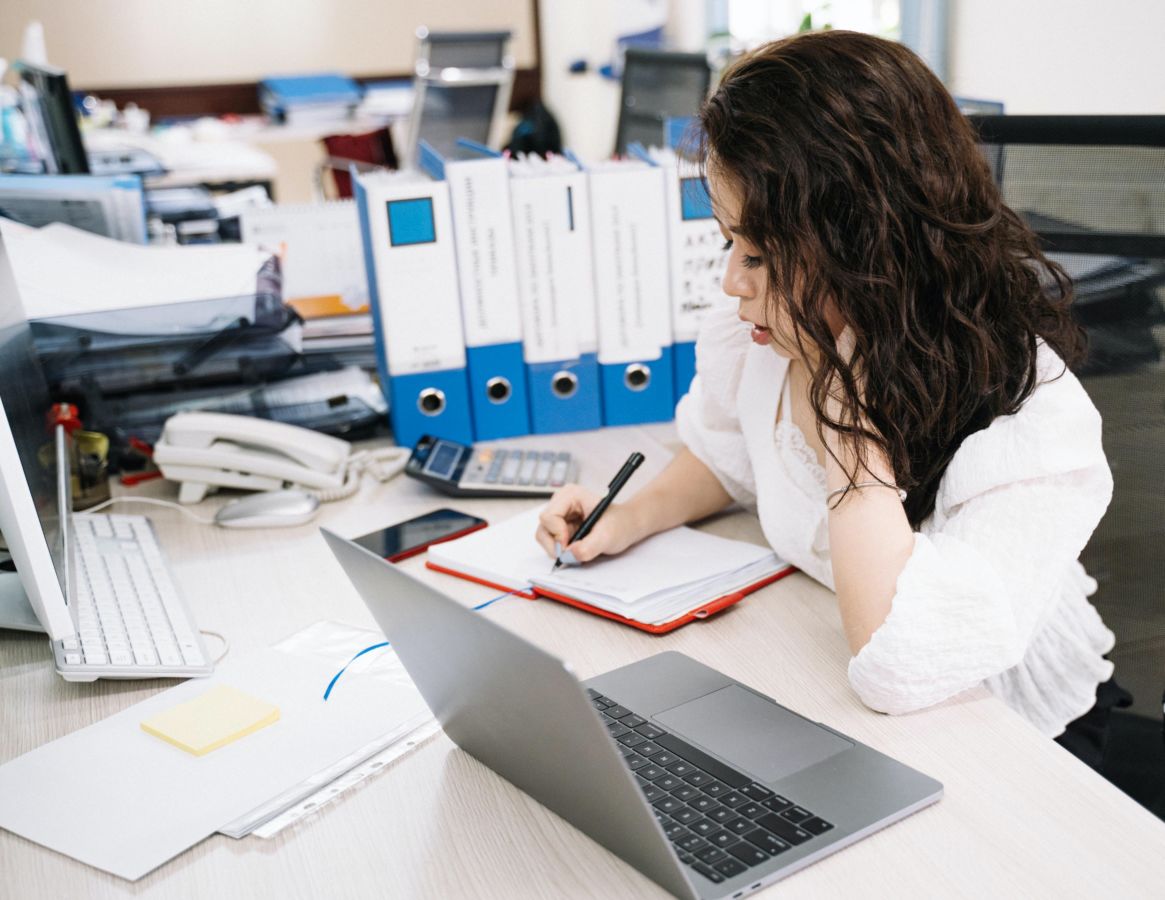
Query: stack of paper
110	205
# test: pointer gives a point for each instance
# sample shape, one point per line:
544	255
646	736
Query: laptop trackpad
756	735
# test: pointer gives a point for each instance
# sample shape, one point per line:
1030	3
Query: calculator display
443	460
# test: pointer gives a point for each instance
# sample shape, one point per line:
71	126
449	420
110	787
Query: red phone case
413	551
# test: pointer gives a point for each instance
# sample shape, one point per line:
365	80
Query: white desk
1020	818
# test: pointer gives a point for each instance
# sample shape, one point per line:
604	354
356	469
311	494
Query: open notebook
659	584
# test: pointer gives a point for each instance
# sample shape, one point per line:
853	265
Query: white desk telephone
204	451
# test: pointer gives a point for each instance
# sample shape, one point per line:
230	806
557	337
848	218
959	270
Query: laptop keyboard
720	821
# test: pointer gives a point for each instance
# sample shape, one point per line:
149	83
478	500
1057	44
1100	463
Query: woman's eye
752	262
727	245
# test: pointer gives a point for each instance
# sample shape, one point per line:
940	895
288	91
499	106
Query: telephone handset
204	451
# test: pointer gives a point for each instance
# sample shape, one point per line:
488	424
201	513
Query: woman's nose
736	283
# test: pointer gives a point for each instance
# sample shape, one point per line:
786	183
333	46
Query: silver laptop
702	784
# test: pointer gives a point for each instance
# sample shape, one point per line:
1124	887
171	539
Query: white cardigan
993	592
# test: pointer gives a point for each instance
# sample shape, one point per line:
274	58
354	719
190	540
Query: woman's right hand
564	514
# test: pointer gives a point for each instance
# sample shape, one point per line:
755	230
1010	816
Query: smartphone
408	538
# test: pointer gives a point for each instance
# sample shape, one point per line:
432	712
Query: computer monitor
48	106
658	85
462	50
35	497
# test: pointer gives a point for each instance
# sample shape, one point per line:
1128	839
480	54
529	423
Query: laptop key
796	814
708	872
651	773
680	768
593	694
739	825
816	825
600	705
715	789
776	803
652	793
767	842
672	829
705	805
755	792
732	799
668	782
747	853
617	730
704	827
784	829
633	721
685	793
687	815
635	761
618	712
720	814
649	731
722	838
665	758
647	748
701	760
668	805
631	739
699	779
751	810
692	843
730	868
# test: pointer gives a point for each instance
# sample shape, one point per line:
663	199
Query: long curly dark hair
863	186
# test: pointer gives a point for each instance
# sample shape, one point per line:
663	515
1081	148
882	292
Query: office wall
139	43
1052	56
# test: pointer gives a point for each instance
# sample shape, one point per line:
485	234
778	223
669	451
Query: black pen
616	485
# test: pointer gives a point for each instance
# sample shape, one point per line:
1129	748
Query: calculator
463	471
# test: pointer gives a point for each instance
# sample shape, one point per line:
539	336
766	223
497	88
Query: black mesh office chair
1093	188
658	85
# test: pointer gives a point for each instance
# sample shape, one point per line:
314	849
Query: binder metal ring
564	384
498	389
431	401
637	377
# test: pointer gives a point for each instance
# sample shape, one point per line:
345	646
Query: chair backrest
461	90
658	85
438	50
1093	188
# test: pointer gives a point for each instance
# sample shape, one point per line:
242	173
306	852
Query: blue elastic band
336	677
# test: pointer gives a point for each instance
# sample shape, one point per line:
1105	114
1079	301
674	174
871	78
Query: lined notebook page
655	581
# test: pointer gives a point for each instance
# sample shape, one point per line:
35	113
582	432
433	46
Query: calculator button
510	467
558	473
545	464
529	464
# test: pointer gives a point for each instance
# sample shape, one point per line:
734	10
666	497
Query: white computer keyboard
130	620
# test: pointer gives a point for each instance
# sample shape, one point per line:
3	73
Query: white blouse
993	592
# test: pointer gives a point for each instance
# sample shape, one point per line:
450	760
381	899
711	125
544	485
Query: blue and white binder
407	235
630	245
552	243
479	192
696	259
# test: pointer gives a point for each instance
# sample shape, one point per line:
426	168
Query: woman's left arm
870	538
930	615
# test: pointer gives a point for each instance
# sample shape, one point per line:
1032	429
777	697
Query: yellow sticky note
211	720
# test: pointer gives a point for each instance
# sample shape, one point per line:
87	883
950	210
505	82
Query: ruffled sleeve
1016	507
706	417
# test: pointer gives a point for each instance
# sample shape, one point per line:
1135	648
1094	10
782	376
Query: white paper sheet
62	270
121	800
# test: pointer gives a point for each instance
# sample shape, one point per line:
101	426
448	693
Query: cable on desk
226	645
151	500
336	677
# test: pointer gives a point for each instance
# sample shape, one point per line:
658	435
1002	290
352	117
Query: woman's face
746	275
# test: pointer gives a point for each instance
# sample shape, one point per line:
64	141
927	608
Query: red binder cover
703	611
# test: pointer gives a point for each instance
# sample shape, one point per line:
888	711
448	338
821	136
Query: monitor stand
15	611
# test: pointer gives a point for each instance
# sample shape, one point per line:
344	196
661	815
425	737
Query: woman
892	391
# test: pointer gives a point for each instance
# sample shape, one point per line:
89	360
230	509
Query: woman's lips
760	335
